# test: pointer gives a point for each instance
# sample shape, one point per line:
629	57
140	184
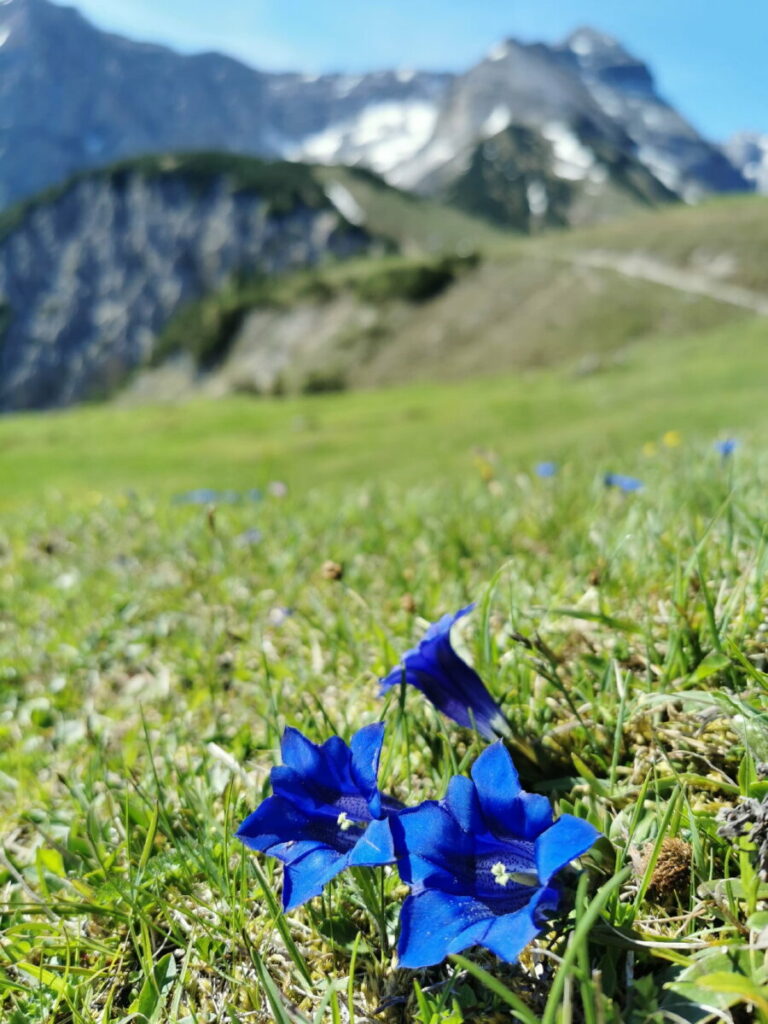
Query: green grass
146	682
704	384
147	673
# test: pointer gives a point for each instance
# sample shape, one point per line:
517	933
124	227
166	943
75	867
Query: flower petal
569	837
395	676
319	779
433	850
461	800
509	934
288	783
375	846
274	821
530	815
434	924
366	751
299	753
497	782
336	766
446	622
284	830
448	682
305	877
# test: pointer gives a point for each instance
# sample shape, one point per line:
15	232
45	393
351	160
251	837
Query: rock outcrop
89	276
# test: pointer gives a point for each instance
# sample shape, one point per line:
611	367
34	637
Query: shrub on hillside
412	282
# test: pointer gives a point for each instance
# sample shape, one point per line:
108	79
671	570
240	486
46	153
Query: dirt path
694	282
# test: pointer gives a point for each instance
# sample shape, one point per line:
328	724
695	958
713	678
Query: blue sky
709	58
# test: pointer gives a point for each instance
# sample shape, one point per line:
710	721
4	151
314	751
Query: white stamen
500	873
344	822
503	877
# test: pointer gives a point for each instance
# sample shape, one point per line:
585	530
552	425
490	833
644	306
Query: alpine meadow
383	540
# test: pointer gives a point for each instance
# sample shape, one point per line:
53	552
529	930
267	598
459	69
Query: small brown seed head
331	570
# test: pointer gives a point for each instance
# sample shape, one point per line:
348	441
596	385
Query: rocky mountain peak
601	58
15	21
588	42
73	97
30	19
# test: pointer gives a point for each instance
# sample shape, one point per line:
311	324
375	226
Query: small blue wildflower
279	615
249	537
206	496
448	682
546	469
623	483
326	813
480	864
201	496
727	447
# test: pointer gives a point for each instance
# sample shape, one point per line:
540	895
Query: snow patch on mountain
749	152
499	119
499	52
537	198
586	41
438	152
382	135
345	203
659	165
598	174
347	84
572	160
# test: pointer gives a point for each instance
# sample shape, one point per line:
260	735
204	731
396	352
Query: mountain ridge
72	97
90	276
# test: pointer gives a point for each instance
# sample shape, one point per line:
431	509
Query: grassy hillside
700	384
725	237
416	225
166	615
573	299
564	299
152	655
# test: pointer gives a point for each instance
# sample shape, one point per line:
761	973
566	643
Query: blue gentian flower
623	483
326	813
201	496
727	447
278	616
249	537
481	864
206	496
448	682
546	469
